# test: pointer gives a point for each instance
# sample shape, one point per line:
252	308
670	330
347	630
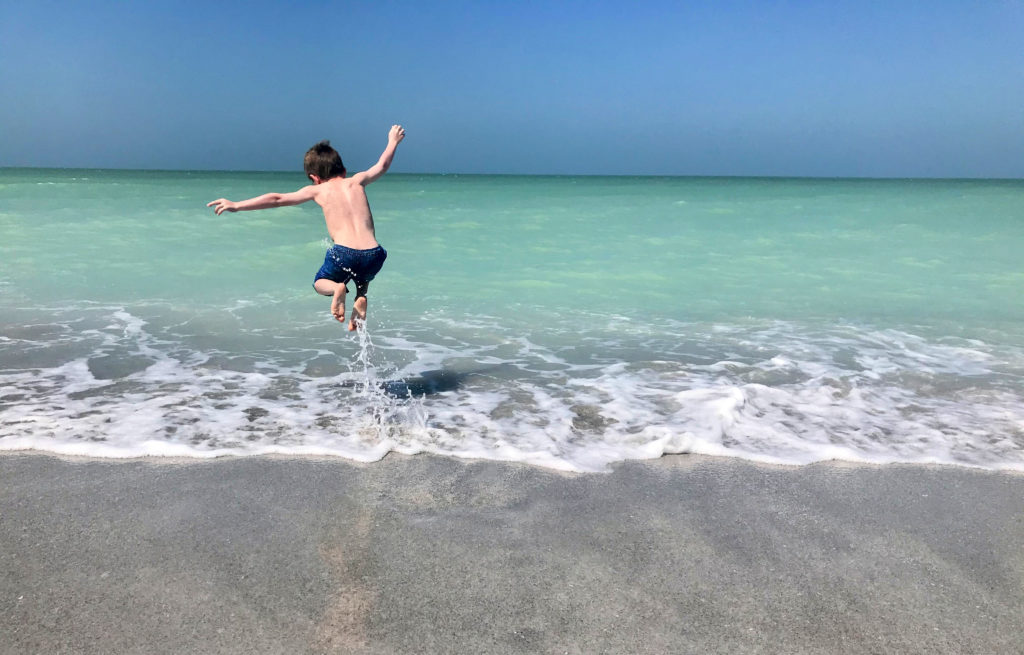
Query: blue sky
932	89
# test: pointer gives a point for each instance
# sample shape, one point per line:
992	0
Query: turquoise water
565	321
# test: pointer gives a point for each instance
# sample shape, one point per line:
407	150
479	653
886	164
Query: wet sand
433	555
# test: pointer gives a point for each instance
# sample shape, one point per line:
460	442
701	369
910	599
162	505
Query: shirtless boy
355	255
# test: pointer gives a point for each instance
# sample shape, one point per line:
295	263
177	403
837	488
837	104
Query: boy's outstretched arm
373	173
266	201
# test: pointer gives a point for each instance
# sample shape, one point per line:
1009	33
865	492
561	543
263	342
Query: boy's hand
396	134
222	205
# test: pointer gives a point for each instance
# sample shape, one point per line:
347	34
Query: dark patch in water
426	384
438	381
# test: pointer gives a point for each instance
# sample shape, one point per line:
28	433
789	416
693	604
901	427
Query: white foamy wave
567	397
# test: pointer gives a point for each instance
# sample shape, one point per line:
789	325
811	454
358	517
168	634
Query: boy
355	255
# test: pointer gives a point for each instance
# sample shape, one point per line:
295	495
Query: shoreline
434	554
667	459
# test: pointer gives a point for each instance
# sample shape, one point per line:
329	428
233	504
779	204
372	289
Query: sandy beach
434	555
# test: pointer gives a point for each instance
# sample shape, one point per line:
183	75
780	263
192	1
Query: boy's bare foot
338	303
358	312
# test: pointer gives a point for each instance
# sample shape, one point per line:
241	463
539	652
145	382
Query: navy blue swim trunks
342	264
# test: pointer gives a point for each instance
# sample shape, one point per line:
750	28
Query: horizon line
620	175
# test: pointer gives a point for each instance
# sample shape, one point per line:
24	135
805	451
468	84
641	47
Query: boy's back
347	212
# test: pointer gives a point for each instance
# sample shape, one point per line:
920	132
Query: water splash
391	416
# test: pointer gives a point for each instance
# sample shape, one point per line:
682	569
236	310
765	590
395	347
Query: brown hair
323	161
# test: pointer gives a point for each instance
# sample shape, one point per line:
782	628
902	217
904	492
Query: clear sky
898	88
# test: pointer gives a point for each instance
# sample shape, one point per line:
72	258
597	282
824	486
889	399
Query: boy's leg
338	290
359	306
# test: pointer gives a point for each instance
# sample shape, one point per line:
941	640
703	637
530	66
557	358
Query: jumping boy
355	255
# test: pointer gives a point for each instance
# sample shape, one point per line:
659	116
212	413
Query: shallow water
569	322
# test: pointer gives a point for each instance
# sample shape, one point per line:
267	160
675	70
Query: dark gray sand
432	555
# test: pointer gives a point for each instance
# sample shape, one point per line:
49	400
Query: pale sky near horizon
876	89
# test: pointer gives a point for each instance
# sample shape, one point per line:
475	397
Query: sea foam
772	392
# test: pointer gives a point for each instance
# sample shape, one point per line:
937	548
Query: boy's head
324	162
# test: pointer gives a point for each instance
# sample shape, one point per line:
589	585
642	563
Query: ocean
568	322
